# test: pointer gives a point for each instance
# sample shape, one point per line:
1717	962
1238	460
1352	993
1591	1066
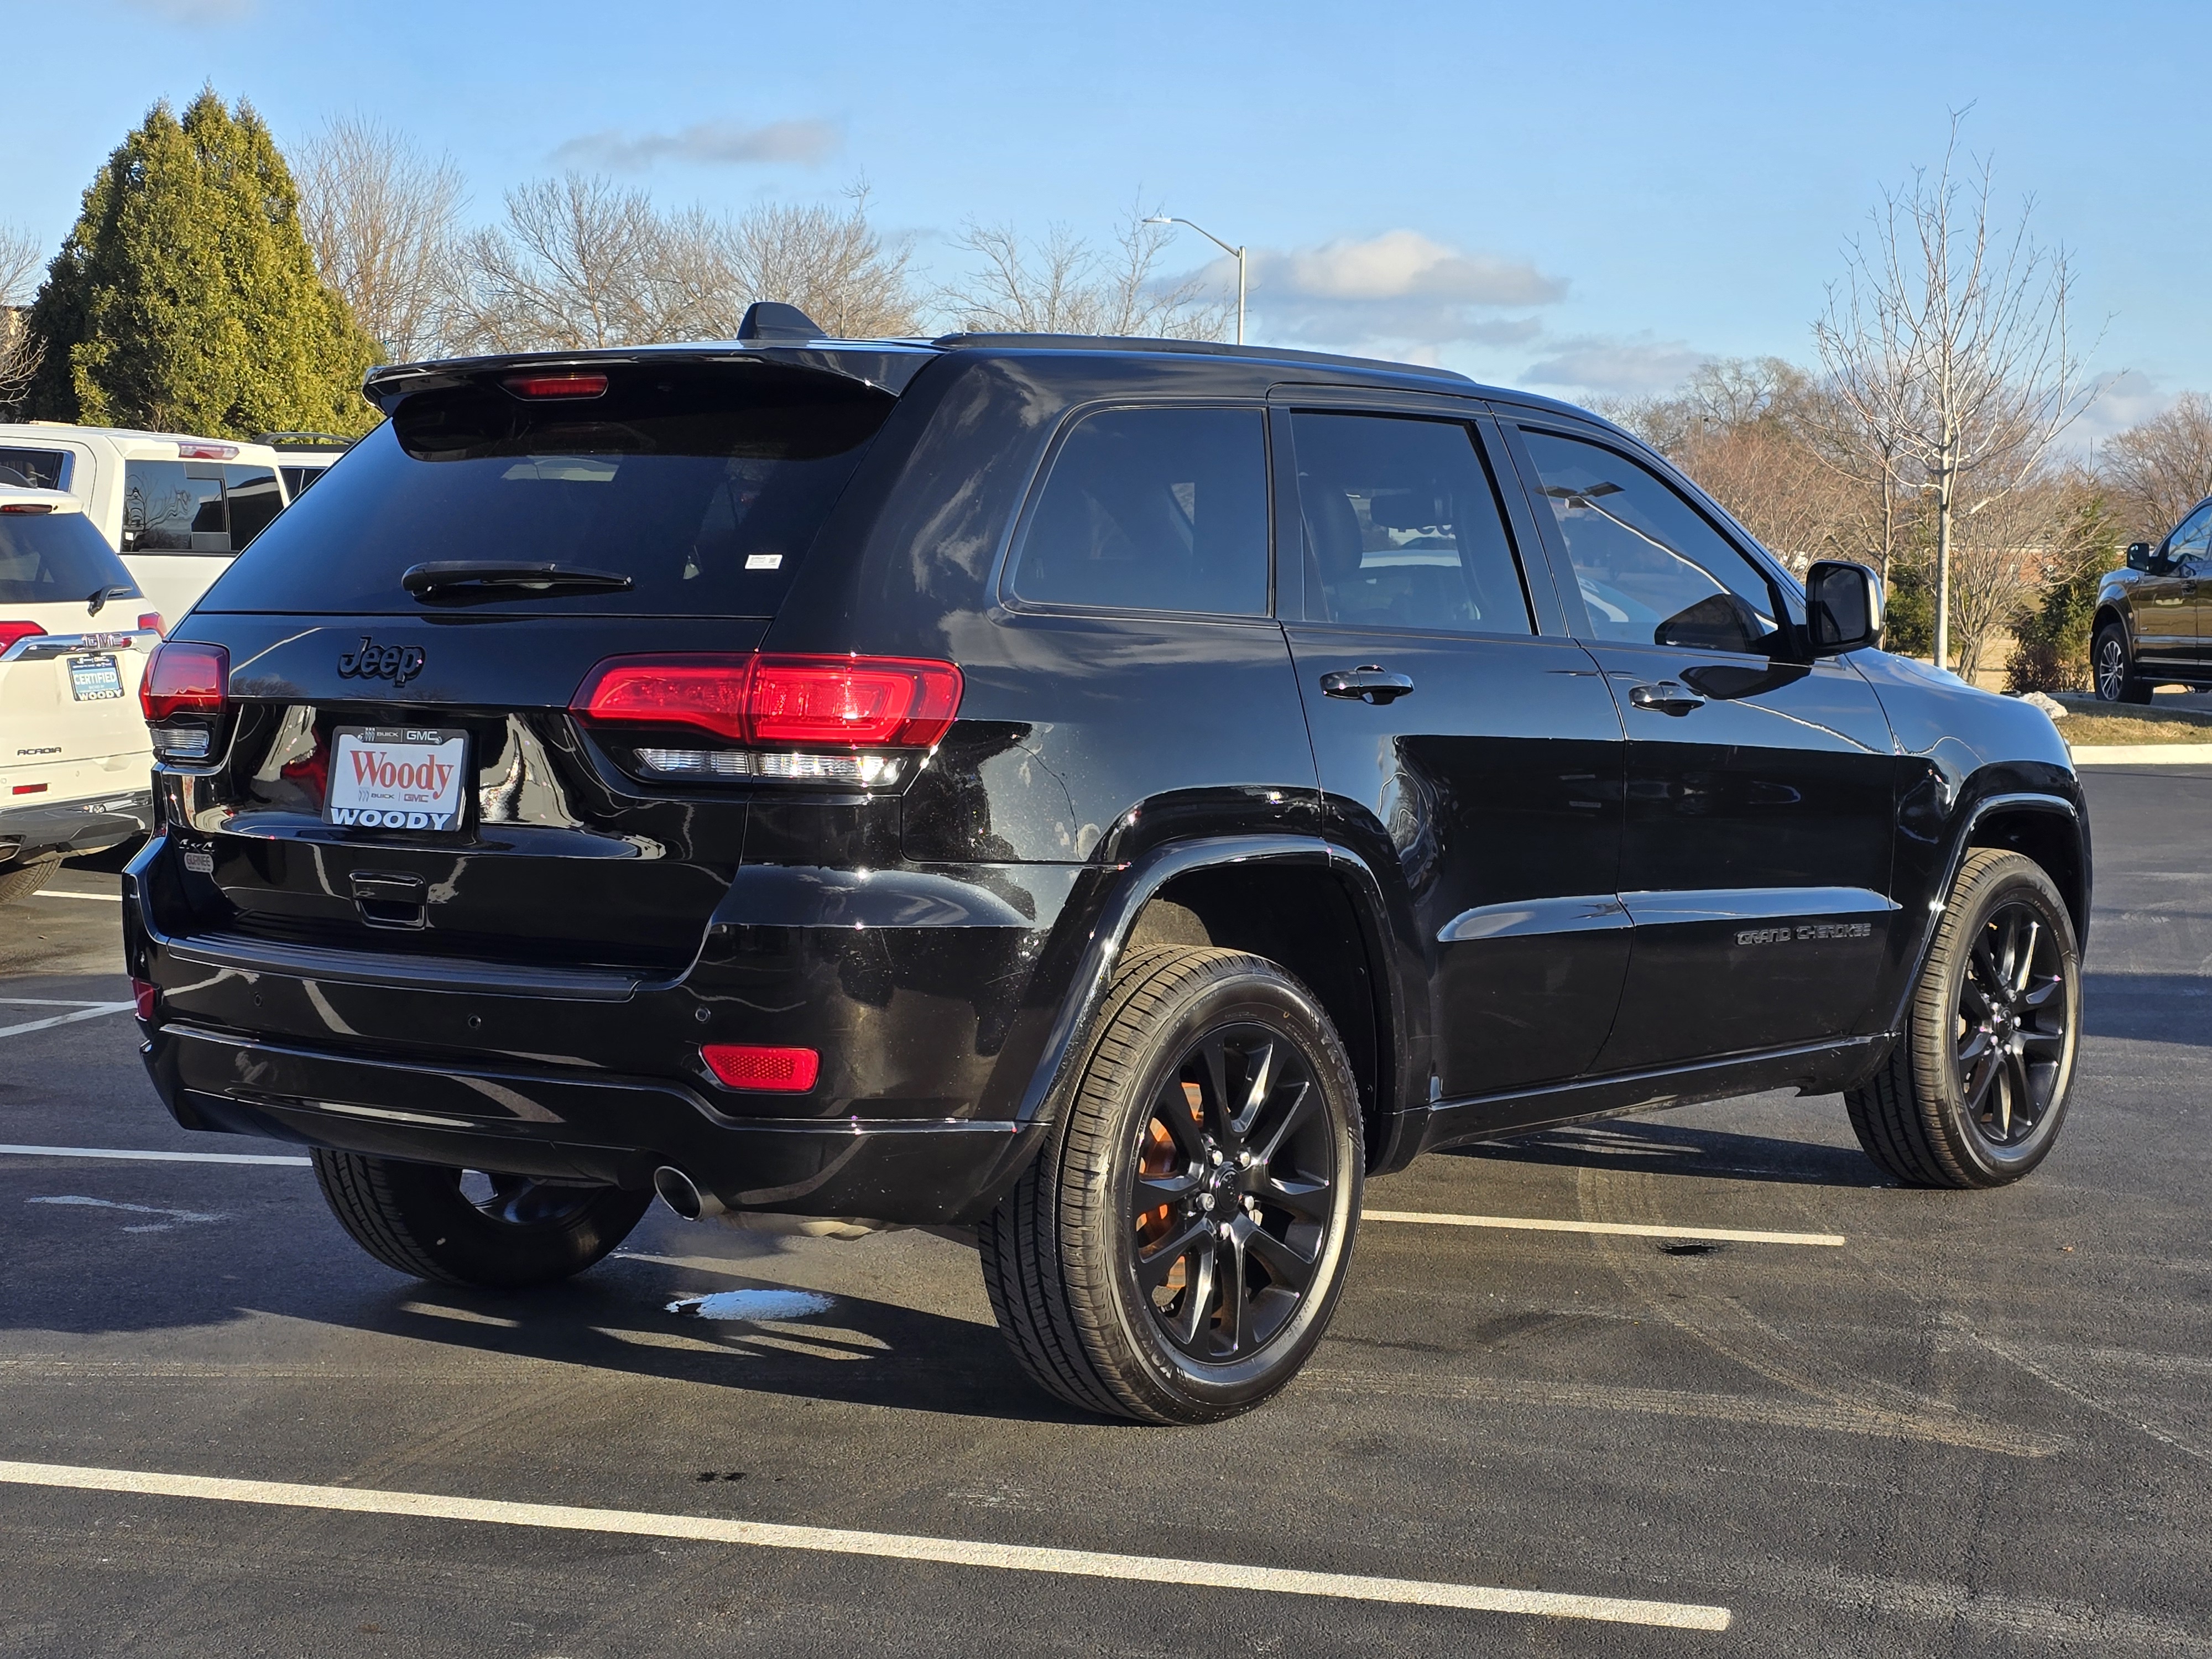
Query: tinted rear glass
705	488
54	559
39	469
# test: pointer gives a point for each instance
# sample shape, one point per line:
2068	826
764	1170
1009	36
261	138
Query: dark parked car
2154	625
1113	795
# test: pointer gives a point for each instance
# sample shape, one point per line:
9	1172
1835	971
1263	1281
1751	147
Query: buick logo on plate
397	663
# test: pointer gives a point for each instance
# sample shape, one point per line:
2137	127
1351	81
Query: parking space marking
56	892
149	1158
1630	1229
1146	1569
93	1011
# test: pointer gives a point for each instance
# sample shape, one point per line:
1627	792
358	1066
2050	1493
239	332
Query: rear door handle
1368	683
1668	697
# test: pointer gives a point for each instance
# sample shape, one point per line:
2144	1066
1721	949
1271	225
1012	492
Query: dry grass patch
2088	725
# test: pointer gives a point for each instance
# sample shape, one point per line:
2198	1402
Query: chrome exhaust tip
682	1194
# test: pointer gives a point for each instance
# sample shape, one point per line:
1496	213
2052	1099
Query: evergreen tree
186	298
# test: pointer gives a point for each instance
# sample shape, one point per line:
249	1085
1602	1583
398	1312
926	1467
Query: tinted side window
41	469
1402	527
1650	568
1153	509
173	506
252	495
2189	541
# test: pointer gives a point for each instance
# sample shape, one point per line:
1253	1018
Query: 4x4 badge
397	663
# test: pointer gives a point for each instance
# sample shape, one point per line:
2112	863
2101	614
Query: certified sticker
396	777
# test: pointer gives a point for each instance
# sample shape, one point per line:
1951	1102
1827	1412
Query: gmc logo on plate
397	663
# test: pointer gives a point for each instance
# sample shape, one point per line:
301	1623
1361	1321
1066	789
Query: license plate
396	777
94	679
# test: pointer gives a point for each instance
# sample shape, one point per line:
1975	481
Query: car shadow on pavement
1674	1149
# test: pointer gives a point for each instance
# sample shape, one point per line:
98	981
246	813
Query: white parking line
1630	1229
94	1011
57	892
149	1157
1148	1571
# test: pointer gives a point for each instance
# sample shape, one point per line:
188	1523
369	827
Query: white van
75	763
176	507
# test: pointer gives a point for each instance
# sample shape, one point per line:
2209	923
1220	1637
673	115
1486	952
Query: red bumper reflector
747	1066
29	789
144	994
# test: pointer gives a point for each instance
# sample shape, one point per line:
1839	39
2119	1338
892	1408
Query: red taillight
26	506
12	631
192	452
852	702
802	703
143	992
556	386
183	678
747	1066
152	619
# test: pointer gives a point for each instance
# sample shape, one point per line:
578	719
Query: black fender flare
1141	882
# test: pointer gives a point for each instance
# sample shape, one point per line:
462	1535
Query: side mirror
2138	556
1842	604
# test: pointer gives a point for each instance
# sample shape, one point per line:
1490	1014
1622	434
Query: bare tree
576	264
834	266
382	218
1950	343
2158	470
2003	552
21	351
1066	286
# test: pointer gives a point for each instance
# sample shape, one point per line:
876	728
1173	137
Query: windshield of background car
57	558
705	488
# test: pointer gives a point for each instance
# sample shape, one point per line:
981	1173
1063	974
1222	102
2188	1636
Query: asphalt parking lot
1920	1423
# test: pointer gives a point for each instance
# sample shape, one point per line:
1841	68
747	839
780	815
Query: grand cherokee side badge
397	663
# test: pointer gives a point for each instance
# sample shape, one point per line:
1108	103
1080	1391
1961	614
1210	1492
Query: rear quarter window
1152	509
707	488
39	469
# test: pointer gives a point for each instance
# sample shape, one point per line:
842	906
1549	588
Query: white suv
176	507
76	767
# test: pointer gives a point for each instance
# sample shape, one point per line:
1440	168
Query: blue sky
1585	199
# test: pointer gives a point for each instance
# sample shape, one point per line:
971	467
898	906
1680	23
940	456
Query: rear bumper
86	824
603	1128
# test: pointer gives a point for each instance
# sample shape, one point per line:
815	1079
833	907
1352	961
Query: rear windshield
57	558
39	469
706	487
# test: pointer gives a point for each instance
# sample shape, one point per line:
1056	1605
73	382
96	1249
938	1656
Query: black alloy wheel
1174	1252
469	1227
1974	1091
2012	1026
1231	1188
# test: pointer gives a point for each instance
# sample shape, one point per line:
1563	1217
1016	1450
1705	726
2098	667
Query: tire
1114	1302
19	881
433	1223
2113	668
1975	1091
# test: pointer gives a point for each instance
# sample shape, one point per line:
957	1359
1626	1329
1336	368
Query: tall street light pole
1237	253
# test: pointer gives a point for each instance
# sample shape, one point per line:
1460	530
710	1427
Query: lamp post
1237	253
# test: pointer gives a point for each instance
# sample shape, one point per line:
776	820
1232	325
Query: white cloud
1399	286
719	143
1603	367
2124	399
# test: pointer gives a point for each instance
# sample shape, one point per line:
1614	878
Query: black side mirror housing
2138	556
1843	606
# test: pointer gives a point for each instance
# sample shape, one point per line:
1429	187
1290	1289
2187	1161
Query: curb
2143	754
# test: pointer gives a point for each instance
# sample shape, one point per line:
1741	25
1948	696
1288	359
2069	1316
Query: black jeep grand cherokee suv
1111	794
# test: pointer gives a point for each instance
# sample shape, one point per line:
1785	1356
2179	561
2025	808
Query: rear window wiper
96	601
508	576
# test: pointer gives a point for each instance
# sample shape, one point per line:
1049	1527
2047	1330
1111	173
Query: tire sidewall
1190	1386
1986	1165
481	1250
2110	634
